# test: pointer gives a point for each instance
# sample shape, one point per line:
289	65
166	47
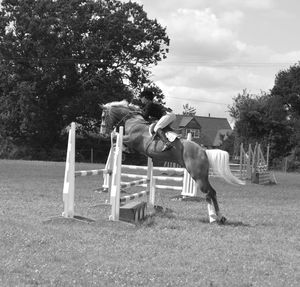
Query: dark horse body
188	154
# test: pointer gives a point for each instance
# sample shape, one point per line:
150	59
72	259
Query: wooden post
254	165
268	154
152	192
285	164
108	166
150	182
250	162
116	179
69	181
242	159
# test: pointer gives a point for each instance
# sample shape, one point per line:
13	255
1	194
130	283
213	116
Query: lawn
259	245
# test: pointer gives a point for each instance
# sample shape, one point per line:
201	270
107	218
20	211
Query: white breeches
164	121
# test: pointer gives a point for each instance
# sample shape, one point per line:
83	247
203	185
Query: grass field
259	246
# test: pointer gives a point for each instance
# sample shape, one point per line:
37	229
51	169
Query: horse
188	154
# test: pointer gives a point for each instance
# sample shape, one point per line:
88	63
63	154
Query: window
194	132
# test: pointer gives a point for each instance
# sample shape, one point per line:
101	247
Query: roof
181	121
211	128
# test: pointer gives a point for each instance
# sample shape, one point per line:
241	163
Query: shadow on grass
64	220
236	224
164	212
188	199
227	223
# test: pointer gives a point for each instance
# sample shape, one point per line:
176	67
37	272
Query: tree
228	142
286	91
188	110
60	59
287	88
262	118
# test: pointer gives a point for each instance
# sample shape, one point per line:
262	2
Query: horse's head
115	114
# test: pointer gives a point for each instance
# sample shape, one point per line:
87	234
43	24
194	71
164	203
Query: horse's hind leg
196	163
213	206
214	213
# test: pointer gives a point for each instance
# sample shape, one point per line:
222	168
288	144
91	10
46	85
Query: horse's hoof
222	220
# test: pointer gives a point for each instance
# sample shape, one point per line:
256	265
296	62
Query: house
206	131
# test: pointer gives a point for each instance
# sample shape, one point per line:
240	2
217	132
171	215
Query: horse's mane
123	103
118	111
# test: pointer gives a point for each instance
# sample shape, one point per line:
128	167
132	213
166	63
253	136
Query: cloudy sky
220	47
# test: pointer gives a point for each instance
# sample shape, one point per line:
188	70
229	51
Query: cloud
201	33
244	4
205	49
286	57
201	99
231	19
212	79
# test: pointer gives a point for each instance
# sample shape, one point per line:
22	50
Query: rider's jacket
154	111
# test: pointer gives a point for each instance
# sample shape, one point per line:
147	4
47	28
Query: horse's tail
219	162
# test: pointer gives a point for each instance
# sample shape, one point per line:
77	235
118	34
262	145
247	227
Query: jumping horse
188	154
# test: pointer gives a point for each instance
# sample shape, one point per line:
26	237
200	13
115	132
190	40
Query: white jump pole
69	180
108	166
150	182
116	178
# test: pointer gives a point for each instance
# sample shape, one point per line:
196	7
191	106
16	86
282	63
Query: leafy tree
228	142
287	88
262	118
188	110
286	91
60	59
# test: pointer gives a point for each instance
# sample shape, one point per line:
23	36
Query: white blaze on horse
188	154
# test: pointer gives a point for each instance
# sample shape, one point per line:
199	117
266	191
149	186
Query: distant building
206	131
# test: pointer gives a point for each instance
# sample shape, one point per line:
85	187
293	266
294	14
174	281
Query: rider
158	112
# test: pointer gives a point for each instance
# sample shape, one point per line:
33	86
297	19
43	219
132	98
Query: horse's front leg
126	148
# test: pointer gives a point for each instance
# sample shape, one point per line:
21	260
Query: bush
293	165
10	150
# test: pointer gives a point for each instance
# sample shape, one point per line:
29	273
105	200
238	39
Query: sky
218	48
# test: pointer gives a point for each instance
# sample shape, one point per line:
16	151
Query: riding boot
167	143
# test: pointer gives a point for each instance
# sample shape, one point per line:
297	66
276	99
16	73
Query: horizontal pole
176	169
160	186
133	196
133	183
158	177
234	164
92	172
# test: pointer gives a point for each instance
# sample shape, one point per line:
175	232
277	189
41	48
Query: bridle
122	121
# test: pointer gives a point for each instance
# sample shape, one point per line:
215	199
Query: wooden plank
133	212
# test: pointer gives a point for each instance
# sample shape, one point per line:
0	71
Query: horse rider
156	111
